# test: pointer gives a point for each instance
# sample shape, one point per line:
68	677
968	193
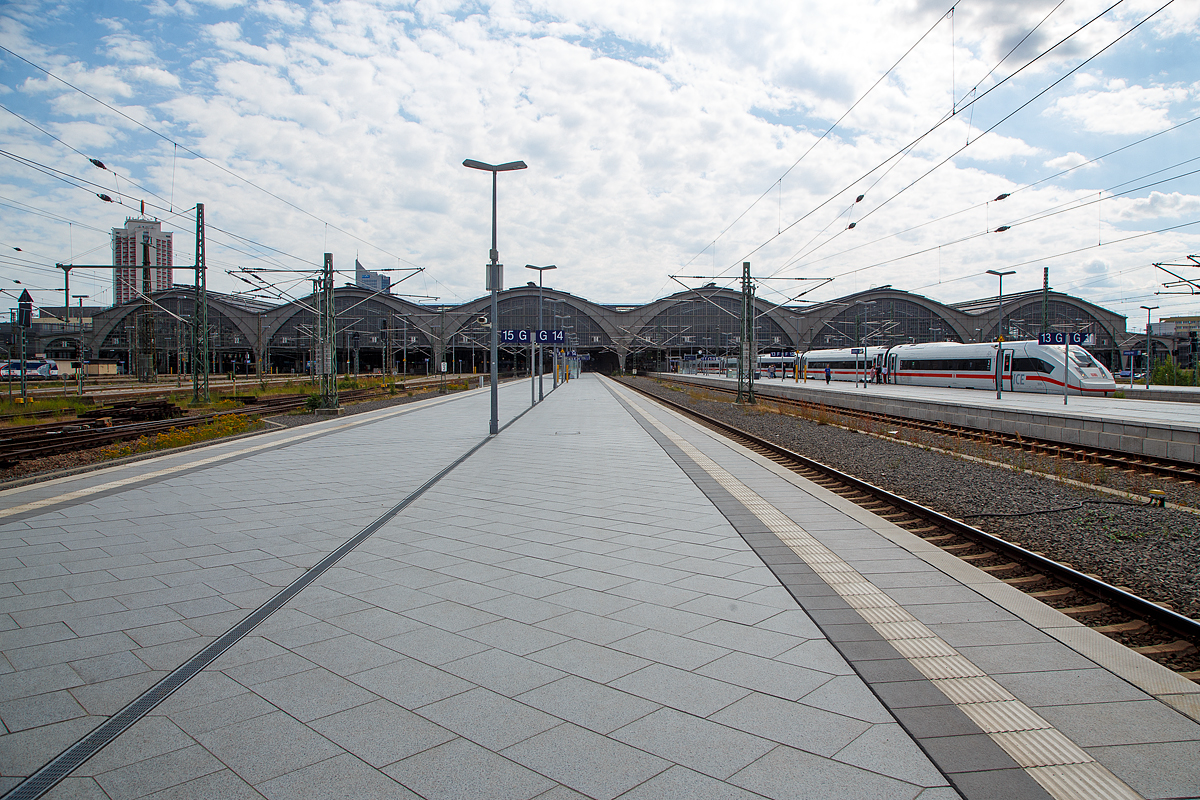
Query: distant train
35	369
1028	367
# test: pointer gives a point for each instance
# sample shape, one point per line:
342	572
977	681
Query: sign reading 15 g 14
541	337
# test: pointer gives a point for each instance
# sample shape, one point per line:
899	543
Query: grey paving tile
1002	658
223	784
685	691
1064	687
159	772
589	627
587	660
680	782
591	705
789	773
381	733
730	609
410	683
149	737
38	710
73	788
346	655
489	719
340	778
266	747
515	637
69	650
590	601
661	618
521	609
888	750
449	616
704	746
592	764
1140	766
666	648
433	645
1126	722
462	770
667	596
747	639
38	680
796	725
765	675
22	753
109	697
817	654
375	623
199	719
503	672
268	669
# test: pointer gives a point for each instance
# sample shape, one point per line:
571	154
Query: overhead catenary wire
899	153
203	158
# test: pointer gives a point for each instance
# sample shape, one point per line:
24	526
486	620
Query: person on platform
885	372
828	373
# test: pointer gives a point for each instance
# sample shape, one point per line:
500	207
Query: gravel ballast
1152	551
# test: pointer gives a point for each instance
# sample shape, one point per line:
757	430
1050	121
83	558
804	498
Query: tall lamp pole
1000	324
541	274
81	298
494	279
1149	361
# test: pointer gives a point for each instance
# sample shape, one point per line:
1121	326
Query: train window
1081	358
948	364
1031	365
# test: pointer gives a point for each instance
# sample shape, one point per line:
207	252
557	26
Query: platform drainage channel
70	759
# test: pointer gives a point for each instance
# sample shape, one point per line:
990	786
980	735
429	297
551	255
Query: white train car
844	364
1027	367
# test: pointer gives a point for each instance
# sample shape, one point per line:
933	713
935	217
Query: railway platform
602	601
1130	424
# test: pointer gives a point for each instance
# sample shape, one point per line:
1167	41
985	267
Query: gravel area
1153	551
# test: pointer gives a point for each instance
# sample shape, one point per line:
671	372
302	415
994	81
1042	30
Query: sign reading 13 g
1059	337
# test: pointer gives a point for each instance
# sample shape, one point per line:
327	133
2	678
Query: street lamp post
1149	361
494	279
79	372
860	346
1000	324
541	274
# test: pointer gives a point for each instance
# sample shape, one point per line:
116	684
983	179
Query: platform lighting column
494	279
541	274
1000	324
79	372
1149	362
860	346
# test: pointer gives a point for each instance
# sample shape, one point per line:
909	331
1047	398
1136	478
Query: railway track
1149	628
1161	467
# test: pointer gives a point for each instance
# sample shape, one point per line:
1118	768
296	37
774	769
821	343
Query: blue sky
662	139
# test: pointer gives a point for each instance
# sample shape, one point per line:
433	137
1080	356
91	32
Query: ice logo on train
1027	366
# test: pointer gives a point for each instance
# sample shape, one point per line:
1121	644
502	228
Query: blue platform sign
551	337
1059	337
523	337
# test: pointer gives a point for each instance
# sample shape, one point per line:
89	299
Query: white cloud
1175	205
1067	161
1122	109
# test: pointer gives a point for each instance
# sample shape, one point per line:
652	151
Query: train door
1006	376
892	367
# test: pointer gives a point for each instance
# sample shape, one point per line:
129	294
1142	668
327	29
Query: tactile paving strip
1063	768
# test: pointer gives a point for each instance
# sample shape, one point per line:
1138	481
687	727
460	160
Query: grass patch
227	425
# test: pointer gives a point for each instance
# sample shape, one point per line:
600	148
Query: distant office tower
375	281
127	259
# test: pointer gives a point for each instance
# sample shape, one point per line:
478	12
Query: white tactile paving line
1064	769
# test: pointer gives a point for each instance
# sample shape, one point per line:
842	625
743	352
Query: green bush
1168	373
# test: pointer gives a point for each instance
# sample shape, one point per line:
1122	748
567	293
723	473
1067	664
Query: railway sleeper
1009	567
1026	580
1176	648
1081	611
1133	626
1052	594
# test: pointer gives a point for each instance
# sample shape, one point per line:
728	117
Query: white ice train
1028	367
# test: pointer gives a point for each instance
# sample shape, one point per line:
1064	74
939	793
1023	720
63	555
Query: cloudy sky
663	139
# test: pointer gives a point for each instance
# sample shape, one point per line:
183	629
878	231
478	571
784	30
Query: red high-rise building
127	259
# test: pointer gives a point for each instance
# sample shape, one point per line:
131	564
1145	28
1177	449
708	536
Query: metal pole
494	345
541	393
1149	360
1067	371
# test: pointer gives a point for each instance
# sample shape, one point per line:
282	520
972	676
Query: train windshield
1082	359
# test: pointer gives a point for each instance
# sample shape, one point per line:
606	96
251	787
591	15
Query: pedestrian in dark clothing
828	373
